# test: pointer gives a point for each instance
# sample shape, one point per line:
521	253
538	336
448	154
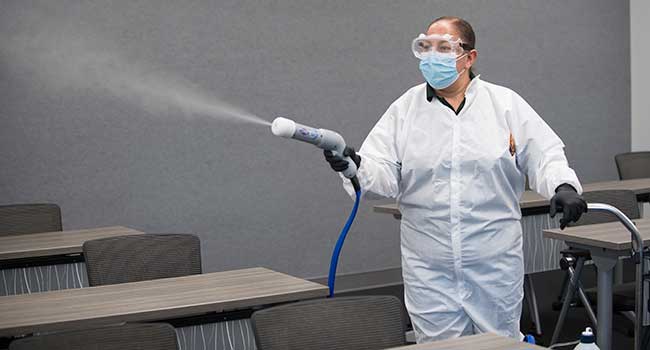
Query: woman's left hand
567	200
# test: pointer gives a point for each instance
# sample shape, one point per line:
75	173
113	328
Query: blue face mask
439	70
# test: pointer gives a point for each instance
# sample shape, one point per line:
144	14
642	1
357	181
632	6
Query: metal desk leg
618	274
605	265
642	207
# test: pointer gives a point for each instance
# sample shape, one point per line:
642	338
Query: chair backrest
19	219
141	257
633	165
145	336
354	323
624	200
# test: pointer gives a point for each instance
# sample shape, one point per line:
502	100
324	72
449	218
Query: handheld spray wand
331	141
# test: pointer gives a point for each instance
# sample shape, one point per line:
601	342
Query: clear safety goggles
424	45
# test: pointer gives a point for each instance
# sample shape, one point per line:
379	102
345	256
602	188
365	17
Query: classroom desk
154	300
40	262
474	342
542	254
606	243
37	245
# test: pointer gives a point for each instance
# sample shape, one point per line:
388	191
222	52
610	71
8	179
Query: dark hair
466	32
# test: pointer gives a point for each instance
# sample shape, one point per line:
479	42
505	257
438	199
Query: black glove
567	200
338	163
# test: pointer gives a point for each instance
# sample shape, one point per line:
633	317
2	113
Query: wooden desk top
611	235
531	199
478	342
55	243
151	300
639	186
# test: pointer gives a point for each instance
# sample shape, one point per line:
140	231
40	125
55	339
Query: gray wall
640	51
255	199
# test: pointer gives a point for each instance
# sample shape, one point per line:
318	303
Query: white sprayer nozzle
283	127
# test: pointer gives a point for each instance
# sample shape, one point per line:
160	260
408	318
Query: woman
455	151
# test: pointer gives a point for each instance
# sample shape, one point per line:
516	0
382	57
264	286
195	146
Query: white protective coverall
458	181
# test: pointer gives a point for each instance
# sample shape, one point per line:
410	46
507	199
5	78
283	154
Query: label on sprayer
306	134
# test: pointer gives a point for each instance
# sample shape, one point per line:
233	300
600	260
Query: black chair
633	165
141	257
17	219
351	323
573	260
149	336
624	200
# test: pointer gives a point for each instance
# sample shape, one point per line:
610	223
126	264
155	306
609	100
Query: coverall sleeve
540	152
379	172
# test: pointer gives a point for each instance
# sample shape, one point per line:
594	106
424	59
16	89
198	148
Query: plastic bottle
587	341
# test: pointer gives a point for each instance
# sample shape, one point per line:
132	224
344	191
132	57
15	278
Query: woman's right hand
337	162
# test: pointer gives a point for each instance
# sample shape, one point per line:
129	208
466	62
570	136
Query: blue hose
339	243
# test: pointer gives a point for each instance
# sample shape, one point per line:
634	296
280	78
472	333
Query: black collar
431	92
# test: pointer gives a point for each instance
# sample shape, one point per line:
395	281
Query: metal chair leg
585	301
565	284
568	297
531	297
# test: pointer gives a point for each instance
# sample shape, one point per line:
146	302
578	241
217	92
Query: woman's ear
471	57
